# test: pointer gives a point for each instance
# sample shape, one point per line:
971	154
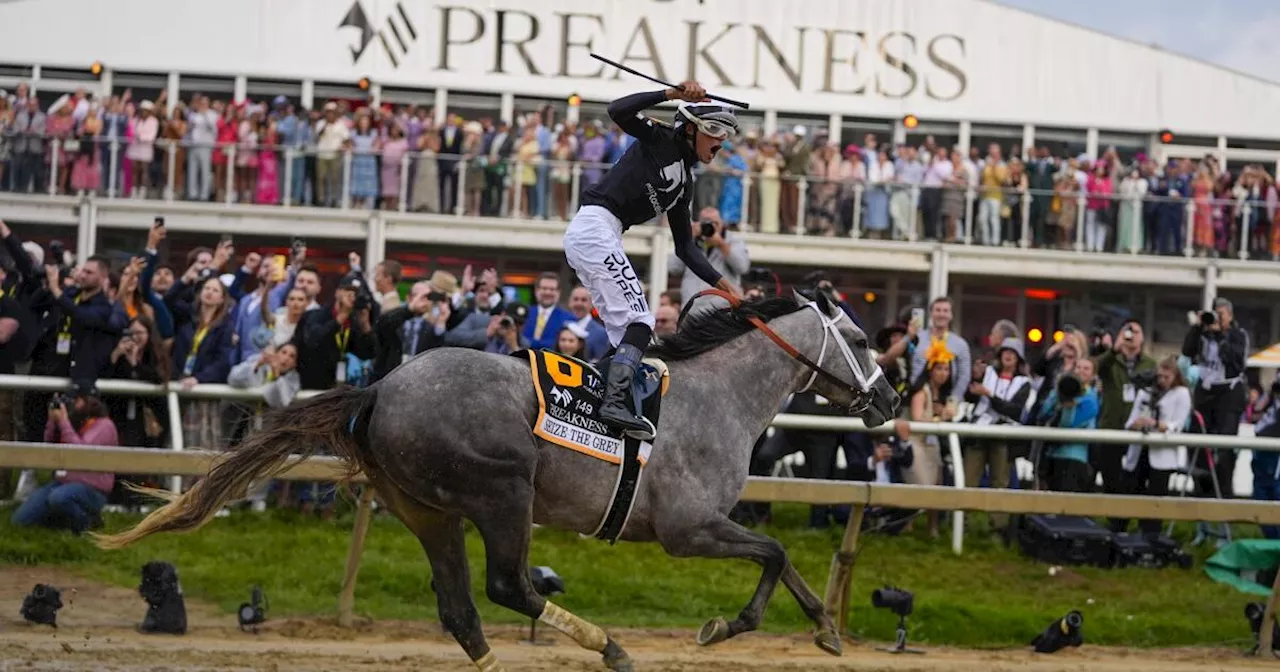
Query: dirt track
96	632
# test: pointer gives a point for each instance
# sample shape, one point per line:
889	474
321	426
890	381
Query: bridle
861	396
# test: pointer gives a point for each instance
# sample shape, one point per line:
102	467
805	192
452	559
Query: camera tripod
900	645
1223	530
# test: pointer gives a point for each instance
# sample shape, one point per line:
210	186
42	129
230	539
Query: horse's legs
443	539
723	538
506	527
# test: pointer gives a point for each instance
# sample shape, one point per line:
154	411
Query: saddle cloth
569	393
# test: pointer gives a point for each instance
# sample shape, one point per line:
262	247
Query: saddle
570	392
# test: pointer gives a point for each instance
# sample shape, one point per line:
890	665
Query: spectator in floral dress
364	163
730	205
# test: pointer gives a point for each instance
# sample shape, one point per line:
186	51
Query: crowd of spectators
1102	380
342	154
243	320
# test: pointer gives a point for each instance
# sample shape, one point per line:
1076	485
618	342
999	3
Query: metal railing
1068	217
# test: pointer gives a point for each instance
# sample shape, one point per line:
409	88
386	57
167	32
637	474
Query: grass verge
989	597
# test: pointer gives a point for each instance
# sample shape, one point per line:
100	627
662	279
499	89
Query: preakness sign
937	59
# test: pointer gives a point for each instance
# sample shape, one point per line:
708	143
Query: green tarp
1239	564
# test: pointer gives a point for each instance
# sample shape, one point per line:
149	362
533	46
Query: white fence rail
950	432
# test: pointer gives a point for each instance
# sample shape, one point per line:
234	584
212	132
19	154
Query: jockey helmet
715	120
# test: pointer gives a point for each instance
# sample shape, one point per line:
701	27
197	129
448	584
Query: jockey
652	177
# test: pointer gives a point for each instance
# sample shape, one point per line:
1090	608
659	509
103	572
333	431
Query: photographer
1218	347
1071	403
78	331
1116	368
999	396
325	336
726	251
888	457
1266	463
504	335
417	326
1164	408
73	499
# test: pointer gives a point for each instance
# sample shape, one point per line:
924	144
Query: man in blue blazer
547	317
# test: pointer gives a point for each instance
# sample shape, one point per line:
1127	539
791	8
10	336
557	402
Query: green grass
990	597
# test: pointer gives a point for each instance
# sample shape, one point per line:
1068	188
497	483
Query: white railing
951	432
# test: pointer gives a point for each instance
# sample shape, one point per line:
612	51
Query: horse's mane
708	329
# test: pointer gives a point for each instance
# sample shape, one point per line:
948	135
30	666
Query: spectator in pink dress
142	148
87	167
1097	216
247	136
394	149
73	500
268	191
61	128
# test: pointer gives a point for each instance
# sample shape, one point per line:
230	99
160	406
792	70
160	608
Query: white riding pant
593	246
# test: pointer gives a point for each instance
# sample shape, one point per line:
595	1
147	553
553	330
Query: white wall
970	59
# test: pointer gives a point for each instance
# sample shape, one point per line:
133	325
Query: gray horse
448	437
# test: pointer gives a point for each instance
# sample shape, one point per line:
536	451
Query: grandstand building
966	72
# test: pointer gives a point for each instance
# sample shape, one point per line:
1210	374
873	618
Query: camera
362	302
298	246
1069	388
708	228
159	221
514	314
436	296
1208	318
896	600
1143	380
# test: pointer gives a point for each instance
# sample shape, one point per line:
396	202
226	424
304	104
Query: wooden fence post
839	580
347	598
1266	647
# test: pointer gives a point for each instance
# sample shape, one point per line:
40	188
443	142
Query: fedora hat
443	282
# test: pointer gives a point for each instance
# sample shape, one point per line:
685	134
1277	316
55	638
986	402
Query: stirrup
647	434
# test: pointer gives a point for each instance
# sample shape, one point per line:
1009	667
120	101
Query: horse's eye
861	343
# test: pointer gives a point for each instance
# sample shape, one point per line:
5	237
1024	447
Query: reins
862	395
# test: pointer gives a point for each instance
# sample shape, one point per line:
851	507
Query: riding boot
615	412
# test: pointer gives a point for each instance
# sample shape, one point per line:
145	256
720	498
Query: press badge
64	344
340	375
1129	393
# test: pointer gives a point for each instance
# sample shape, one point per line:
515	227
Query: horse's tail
336	419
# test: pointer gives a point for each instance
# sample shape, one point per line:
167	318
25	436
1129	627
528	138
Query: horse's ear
825	304
800	300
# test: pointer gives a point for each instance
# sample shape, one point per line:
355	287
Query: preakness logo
398	30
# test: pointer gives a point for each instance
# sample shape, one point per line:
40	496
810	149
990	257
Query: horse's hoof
616	659
715	631
828	641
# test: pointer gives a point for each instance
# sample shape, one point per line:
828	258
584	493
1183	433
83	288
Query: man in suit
597	335
497	149
547	317
450	150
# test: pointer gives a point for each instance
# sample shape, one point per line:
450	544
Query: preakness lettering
515	40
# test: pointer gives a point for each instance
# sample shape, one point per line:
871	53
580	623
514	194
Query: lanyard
66	320
190	365
341	338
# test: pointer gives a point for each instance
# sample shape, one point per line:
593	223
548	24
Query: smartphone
278	263
917	316
226	238
159	221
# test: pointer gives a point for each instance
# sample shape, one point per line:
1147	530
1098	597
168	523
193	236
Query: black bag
1136	550
1065	540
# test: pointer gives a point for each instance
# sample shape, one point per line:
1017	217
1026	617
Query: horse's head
853	380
